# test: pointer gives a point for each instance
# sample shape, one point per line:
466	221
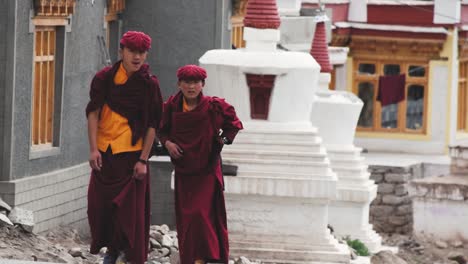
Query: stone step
345	152
302	137
322	188
248	153
274	145
279	166
286	175
346	159
348	163
279	134
350	171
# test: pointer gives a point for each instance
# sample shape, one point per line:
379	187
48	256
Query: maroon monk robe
199	198
391	89
119	205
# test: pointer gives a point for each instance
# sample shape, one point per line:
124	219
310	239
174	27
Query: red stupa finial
319	49
262	14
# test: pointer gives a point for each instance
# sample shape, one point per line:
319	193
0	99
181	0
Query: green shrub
356	244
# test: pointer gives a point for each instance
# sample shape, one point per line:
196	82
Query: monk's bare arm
140	169
148	143
95	159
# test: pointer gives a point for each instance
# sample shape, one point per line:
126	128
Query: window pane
415	107
365	68
416	71
366	93
391	69
389	116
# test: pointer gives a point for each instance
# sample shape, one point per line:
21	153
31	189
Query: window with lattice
54	8
44	85
406	116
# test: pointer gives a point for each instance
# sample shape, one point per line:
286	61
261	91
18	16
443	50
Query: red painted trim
380	33
262	14
319	48
464	14
400	15
340	12
396	34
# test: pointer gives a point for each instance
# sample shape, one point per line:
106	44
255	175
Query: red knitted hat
136	40
191	72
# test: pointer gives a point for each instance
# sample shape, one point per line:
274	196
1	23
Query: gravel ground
65	245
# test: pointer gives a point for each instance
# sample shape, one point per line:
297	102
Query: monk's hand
95	160
220	141
139	171
174	150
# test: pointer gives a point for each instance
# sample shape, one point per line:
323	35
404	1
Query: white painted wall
297	33
297	74
357	11
447	11
340	77
289	7
336	115
428	215
436	141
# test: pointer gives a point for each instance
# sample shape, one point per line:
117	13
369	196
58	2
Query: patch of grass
356	244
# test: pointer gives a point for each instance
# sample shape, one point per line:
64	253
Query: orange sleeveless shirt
113	129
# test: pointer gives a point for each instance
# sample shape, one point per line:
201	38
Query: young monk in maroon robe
124	111
190	130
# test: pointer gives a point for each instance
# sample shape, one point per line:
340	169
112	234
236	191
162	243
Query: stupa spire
262	14
319	49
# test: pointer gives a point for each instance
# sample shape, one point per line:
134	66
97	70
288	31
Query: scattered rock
167	241
172	234
242	260
5	220
155	244
352	253
164	252
78	260
164	229
456	243
156	235
458	257
76	252
175	243
4	205
386	257
22	217
441	244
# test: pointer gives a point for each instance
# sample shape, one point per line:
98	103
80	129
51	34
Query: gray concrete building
46	65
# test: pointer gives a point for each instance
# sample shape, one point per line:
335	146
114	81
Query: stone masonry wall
392	211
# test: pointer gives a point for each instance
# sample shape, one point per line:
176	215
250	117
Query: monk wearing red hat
194	128
123	114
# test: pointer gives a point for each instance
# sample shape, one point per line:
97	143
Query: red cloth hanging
391	89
